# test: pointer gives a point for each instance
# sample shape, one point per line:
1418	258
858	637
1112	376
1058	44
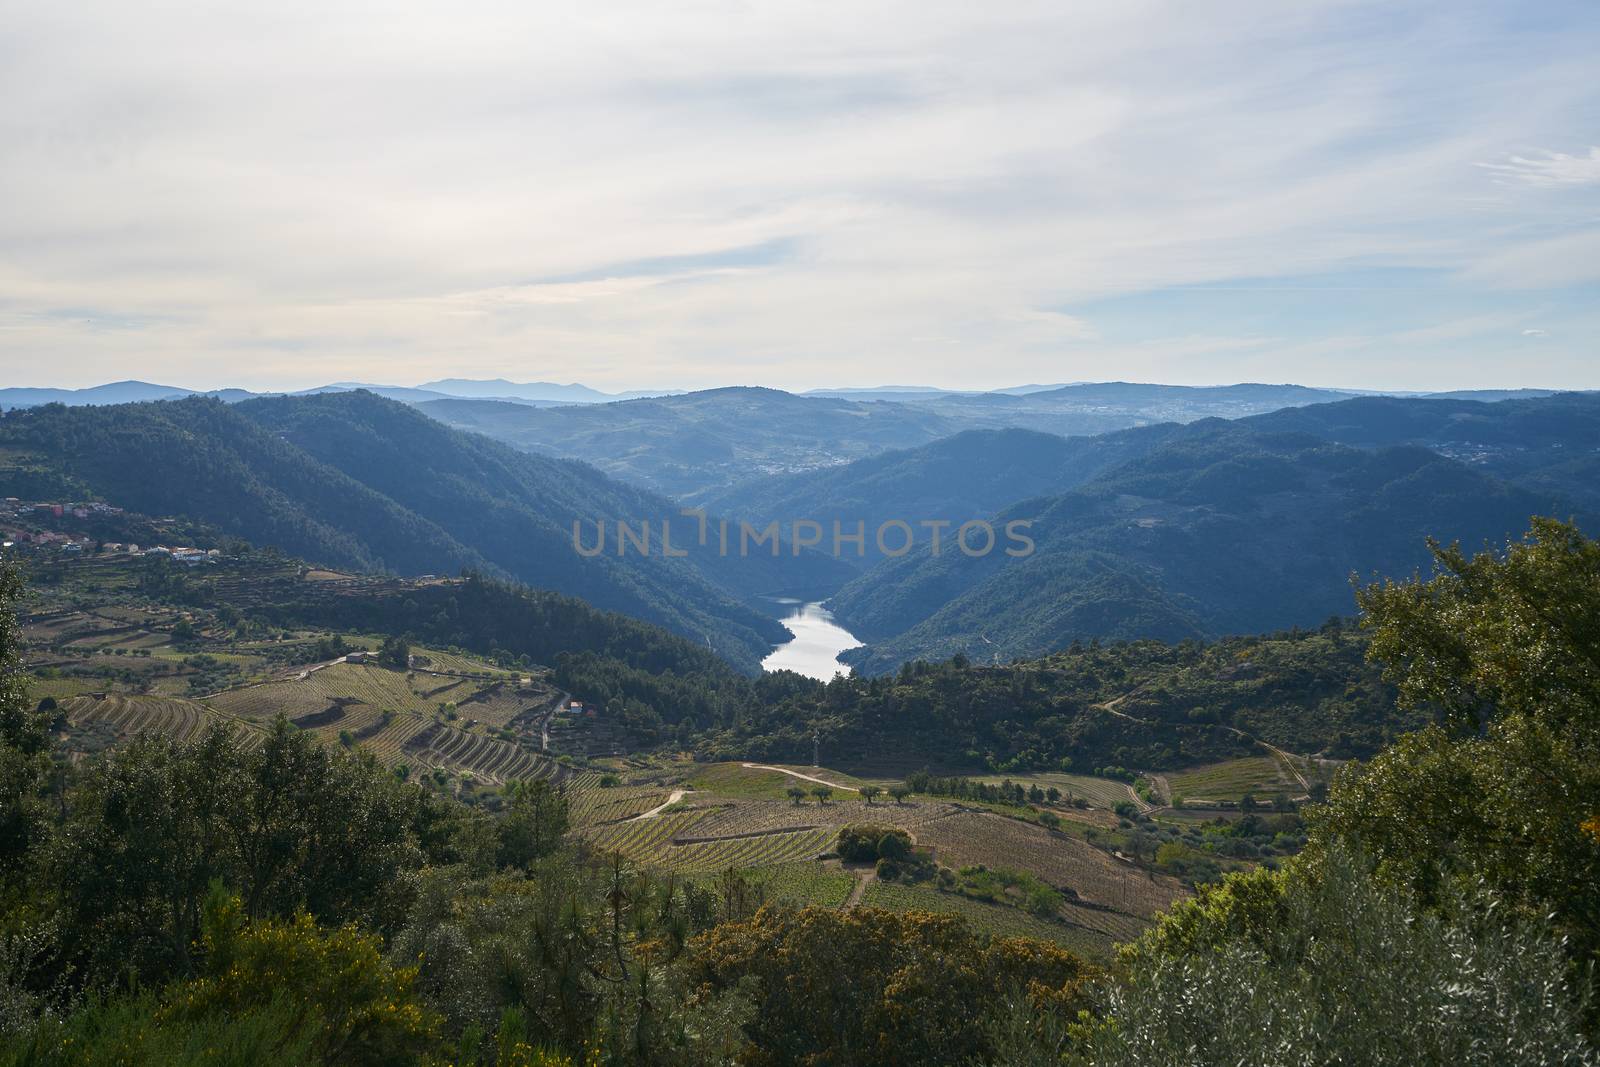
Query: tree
1336	961
1506	647
535	823
920	988
796	794
822	793
291	824
868	792
395	653
360	1009
894	845
24	747
900	792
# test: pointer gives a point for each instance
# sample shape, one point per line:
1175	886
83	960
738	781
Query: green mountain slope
351	479
971	475
1221	530
1549	444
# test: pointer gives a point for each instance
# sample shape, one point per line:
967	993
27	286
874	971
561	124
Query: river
818	640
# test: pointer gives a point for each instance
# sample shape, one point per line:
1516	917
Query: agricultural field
92	724
63	687
999	920
743	816
752	850
1263	776
1104	793
495	703
676	841
457	663
486	759
591	804
1065	862
305	691
313	690
811	883
758	782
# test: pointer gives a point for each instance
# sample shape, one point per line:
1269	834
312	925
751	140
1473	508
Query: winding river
818	640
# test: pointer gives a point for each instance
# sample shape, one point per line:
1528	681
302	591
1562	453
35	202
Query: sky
1385	195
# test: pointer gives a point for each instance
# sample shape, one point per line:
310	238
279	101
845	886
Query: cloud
689	195
1535	333
1549	169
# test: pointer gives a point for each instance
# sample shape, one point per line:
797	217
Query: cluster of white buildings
75	544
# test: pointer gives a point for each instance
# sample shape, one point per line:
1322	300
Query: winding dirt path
672	798
864	878
797	774
1285	758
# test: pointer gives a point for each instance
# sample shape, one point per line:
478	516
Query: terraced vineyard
672	841
744	816
757	850
485	758
298	696
643	840
973	838
998	920
1264	776
181	720
123	716
388	744
590	804
496	703
805	883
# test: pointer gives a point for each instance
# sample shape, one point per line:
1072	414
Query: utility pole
816	749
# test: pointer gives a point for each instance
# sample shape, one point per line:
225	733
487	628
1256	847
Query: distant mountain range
694	444
969	475
539	394
1203	529
698	446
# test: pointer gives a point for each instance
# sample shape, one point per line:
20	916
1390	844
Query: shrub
862	842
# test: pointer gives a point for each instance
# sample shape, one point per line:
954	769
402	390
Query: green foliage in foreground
267	990
1506	790
1326	967
1443	911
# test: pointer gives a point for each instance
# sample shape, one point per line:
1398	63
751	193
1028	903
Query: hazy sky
283	194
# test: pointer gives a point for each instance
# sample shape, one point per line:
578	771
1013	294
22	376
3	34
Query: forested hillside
1546	443
350	479
971	475
1136	704
1224	529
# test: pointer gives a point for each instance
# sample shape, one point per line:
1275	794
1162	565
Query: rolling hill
694	444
